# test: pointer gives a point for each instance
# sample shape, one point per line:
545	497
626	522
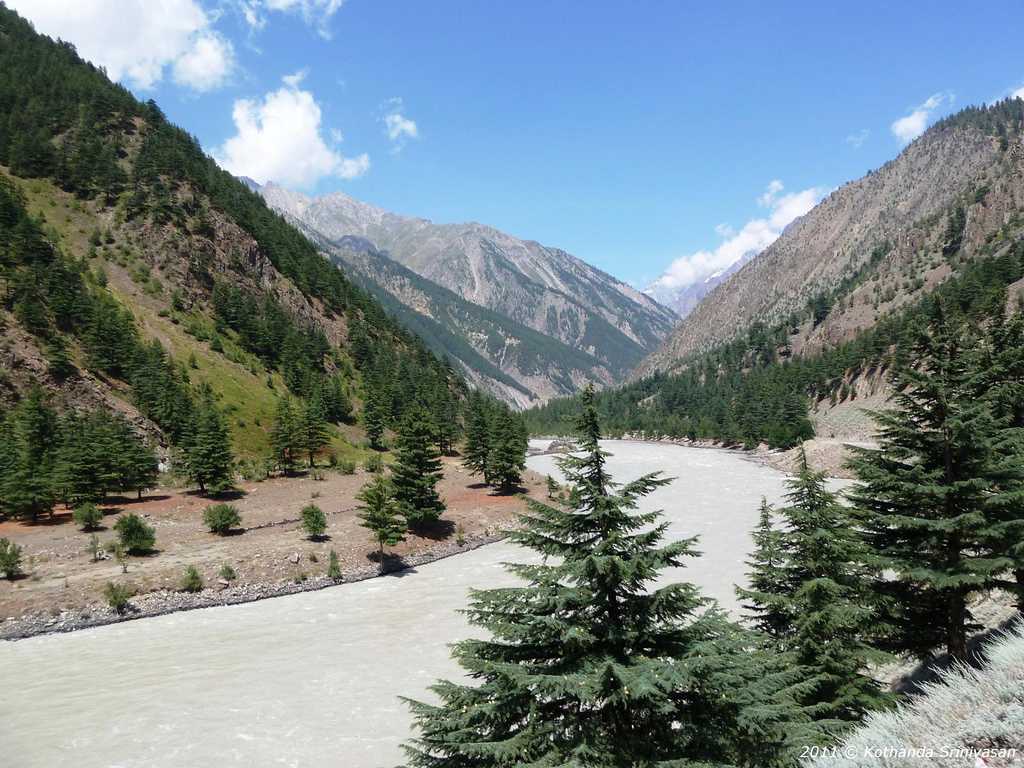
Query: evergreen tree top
585	664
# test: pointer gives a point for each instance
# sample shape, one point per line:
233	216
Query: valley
313	675
513	510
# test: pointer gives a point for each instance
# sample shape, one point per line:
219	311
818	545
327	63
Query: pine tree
928	498
313	428
139	468
373	420
381	514
507	455
1001	383
208	459
766	599
828	604
286	435
26	483
587	664
417	470
58	360
478	439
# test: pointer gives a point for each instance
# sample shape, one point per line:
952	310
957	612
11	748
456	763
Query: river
313	679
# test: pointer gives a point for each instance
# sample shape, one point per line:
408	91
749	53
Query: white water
314	679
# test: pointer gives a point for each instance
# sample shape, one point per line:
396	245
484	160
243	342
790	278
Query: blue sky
636	135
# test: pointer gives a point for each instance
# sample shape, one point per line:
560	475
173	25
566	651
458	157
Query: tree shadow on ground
930	671
435	530
233	494
393	565
513	491
129	500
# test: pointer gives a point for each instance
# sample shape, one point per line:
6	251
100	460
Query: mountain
874	244
797	343
586	324
141	279
515	363
683	301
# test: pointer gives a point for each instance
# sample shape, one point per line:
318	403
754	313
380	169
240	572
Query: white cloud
908	128
397	126
207	64
316	13
295	79
857	139
1018	94
136	40
770	193
752	238
279	138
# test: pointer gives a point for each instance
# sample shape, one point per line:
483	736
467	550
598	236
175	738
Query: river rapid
313	679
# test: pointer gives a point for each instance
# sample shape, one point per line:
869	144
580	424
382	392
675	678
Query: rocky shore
163	602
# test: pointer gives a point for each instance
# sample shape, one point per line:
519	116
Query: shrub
314	522
137	537
192	581
227	573
965	709
347	467
116	548
117	596
374	463
94	547
88	516
333	567
10	558
221	518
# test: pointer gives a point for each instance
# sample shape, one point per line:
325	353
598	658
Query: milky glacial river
314	679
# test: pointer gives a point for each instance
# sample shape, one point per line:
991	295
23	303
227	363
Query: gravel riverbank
165	601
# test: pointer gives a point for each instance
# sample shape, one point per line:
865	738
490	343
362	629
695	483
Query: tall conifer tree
587	664
417	469
286	435
477	449
381	514
208	457
928	499
373	420
766	600
507	455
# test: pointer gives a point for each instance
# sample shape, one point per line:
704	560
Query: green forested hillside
139	277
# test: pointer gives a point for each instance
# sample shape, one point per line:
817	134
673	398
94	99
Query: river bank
164	602
62	589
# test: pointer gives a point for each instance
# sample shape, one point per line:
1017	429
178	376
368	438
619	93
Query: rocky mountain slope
142	279
608	324
517	364
874	244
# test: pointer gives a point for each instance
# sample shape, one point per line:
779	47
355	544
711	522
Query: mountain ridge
884	228
535	288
